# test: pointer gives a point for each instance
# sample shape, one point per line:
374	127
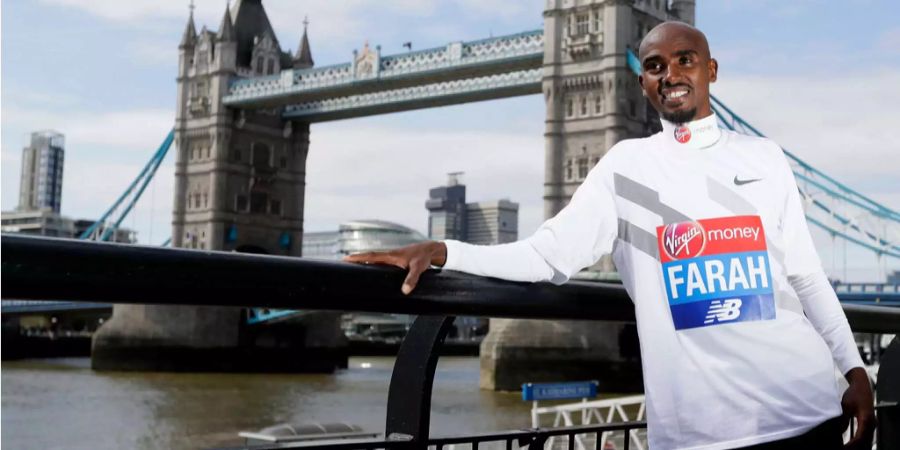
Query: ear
641	82
713	70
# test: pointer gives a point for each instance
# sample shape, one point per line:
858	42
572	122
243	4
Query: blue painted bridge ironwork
459	72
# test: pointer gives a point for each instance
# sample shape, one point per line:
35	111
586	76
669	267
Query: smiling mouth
674	96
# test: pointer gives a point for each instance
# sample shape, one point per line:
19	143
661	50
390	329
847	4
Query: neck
697	134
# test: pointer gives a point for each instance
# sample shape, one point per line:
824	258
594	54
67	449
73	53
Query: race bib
716	271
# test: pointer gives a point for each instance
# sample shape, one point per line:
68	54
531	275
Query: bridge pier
592	101
202	338
524	351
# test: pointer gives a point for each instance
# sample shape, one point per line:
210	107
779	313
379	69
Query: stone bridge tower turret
593	100
239	186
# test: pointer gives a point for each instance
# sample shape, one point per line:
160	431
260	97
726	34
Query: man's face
676	72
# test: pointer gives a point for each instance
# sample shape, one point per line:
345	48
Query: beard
680	117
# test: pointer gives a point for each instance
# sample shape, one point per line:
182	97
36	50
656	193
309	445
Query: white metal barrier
613	410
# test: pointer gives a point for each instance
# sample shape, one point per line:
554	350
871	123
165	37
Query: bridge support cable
102	229
849	215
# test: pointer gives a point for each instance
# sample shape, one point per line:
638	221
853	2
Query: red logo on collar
683	134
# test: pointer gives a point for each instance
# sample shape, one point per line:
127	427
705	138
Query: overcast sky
819	77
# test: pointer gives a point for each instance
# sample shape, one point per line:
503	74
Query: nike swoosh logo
739	182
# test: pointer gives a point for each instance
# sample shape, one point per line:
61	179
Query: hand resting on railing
416	258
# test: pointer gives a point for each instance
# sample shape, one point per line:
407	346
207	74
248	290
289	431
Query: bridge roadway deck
459	72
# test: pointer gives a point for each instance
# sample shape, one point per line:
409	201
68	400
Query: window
582	24
208	152
283	162
196	200
270	67
236	155
259	202
570	108
584	109
582	168
205	200
260	155
598	23
259	64
568	169
240	203
598	103
275	207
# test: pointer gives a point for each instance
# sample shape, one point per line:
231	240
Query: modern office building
358	236
48	223
364	236
485	223
40	194
42	172
37	222
447	209
493	222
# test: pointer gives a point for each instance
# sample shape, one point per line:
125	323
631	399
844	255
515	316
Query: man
740	330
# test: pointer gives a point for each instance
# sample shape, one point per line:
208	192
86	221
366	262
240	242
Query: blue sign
557	391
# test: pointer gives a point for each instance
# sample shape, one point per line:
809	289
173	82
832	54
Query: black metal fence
54	269
587	437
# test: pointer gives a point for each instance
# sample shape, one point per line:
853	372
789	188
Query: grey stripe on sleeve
639	238
648	198
736	204
733	202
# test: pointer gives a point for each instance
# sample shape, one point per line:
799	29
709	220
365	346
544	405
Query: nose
673	75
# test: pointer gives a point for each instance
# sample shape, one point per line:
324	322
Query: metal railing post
409	396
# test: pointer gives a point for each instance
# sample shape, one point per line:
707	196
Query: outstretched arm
575	238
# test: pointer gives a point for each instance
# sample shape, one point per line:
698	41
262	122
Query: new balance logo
723	311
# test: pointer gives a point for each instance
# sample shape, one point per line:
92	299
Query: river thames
61	403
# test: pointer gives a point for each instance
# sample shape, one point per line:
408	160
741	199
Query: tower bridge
242	126
459	72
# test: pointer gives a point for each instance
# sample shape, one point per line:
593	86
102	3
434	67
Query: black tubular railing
58	269
62	269
588	436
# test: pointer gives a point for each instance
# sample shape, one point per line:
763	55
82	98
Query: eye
685	60
652	67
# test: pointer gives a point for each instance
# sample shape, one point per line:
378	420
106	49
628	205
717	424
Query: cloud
336	27
137	130
152	52
345	19
827	121
358	172
889	41
104	152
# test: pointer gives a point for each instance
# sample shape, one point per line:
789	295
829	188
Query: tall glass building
42	172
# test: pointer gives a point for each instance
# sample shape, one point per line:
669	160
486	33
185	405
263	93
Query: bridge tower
240	181
592	101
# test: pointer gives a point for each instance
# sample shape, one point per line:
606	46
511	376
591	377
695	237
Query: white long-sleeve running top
707	231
